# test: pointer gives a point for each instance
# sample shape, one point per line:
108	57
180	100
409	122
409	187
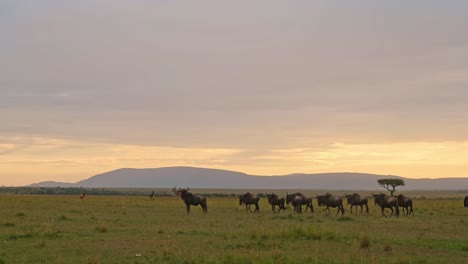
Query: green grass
132	229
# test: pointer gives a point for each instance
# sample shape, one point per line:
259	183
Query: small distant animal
356	200
191	199
330	200
152	195
385	201
82	196
249	199
406	203
275	200
296	201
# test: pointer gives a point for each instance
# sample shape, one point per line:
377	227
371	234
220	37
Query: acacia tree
391	184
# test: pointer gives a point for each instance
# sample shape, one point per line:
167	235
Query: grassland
133	229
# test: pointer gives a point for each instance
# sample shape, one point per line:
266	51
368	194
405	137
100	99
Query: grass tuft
345	218
365	242
63	218
387	248
101	229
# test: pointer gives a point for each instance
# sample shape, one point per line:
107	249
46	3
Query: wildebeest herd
297	200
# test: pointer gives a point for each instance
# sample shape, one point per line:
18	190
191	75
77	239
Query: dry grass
100	229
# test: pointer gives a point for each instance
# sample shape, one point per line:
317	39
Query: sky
262	87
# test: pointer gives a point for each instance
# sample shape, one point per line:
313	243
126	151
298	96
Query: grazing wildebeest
385	201
82	196
249	199
275	200
356	200
191	199
466	201
329	200
296	202
405	203
307	201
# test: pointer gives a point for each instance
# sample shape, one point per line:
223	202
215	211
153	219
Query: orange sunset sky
261	87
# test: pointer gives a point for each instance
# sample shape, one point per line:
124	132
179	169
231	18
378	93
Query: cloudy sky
263	87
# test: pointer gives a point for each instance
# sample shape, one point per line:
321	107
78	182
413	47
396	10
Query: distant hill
52	184
213	178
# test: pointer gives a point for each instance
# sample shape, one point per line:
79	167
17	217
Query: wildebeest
307	201
405	203
249	199
466	201
296	201
275	200
152	195
191	199
356	200
385	201
329	200
82	196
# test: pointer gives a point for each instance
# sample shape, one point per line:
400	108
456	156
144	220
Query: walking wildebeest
82	196
307	201
249	199
191	199
385	201
466	201
356	200
296	202
275	200
405	203
330	201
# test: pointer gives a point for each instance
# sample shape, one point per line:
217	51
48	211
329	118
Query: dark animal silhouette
406	203
385	201
276	200
191	199
249	199
466	201
152	195
329	200
307	201
296	201
82	196
356	200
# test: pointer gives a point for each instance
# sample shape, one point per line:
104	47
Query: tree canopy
391	184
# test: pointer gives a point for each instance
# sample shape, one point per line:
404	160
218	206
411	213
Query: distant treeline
93	191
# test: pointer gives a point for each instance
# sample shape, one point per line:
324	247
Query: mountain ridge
194	177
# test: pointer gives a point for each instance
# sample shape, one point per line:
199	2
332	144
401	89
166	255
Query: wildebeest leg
204	206
351	208
382	208
257	208
367	208
188	208
273	208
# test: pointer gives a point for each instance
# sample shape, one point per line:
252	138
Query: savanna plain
138	229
